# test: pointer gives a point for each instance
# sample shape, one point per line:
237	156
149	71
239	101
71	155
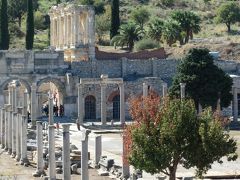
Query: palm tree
155	28
189	22
128	34
171	32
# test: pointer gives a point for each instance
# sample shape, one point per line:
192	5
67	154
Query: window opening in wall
90	107
116	107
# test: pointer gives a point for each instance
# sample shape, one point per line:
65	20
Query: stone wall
46	66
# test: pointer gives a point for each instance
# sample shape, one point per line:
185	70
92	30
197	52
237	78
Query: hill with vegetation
144	24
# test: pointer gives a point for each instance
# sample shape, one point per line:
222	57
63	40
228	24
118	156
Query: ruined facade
73	59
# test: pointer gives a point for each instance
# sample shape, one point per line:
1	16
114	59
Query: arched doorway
56	87
116	107
90	107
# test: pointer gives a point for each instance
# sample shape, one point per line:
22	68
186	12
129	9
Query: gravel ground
10	169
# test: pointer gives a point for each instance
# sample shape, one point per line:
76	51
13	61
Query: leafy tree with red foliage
168	132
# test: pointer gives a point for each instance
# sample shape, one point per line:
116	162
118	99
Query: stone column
76	29
33	103
91	33
58	30
55	32
40	165
84	155
1	132
10	122
6	129
51	149
10	132
14	119
103	104
72	31
182	86
122	103
235	104
164	89
24	159
65	31
66	152
3	124
18	142
80	103
125	164
145	90
50	110
98	149
51	30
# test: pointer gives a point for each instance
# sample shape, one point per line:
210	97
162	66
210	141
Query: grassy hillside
212	35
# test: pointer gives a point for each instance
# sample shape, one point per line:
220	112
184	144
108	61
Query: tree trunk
191	35
19	21
229	27
187	37
172	171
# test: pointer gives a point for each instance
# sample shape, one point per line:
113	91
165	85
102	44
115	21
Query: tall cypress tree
30	25
115	20
4	26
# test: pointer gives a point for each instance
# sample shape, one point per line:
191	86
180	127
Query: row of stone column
65	154
13	127
103	103
72	28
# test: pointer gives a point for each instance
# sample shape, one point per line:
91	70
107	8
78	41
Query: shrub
15	30
167	2
146	44
39	21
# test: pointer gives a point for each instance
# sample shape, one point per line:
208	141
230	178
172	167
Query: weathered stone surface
74	168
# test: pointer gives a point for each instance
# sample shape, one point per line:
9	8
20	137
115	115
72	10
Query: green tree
171	32
140	16
18	8
4	26
166	134
205	82
98	5
129	33
115	19
102	26
155	28
228	13
30	25
189	22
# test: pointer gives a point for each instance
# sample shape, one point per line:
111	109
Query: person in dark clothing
61	111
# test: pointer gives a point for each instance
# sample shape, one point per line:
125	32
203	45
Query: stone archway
4	86
57	88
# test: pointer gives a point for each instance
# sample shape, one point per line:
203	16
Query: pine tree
115	20
4	45
30	26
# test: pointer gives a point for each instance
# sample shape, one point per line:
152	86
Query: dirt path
11	170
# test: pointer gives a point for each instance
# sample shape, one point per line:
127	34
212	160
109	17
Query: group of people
57	110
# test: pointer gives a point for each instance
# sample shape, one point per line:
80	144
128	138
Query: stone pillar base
3	146
24	162
18	157
9	151
39	173
13	155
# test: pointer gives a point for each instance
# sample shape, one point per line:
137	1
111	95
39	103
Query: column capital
39	122
182	84
66	127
